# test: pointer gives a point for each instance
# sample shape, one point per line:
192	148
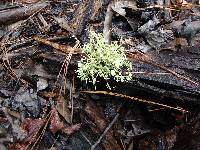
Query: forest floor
44	105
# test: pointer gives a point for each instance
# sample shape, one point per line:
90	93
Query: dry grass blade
176	7
135	99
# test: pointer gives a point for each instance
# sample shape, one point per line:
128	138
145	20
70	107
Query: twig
60	47
152	110
46	26
85	137
108	25
151	73
54	142
72	99
105	131
7	66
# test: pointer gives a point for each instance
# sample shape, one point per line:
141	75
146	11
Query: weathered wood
154	80
10	16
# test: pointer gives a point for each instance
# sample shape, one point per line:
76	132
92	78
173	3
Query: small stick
108	25
105	131
63	48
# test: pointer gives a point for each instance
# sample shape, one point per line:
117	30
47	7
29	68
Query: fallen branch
10	16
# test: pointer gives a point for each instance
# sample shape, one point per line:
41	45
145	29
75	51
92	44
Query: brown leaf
62	108
32	127
13	113
70	130
55	123
17	146
49	94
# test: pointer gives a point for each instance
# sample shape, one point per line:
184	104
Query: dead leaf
119	6
62	108
71	129
49	94
16	146
55	123
97	5
183	4
13	113
32	127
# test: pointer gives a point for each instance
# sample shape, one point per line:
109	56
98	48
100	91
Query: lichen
103	60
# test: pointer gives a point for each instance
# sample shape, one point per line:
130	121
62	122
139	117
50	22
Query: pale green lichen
103	60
